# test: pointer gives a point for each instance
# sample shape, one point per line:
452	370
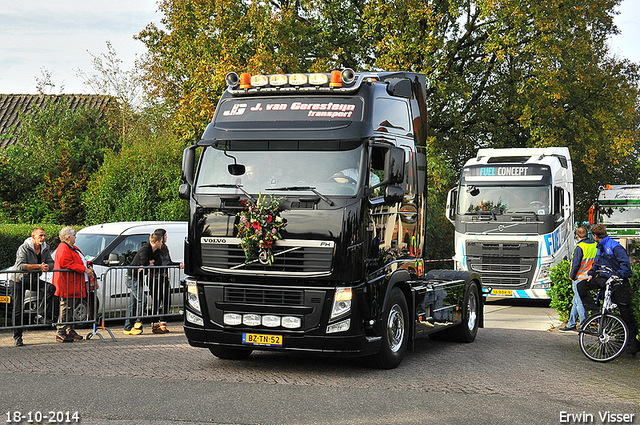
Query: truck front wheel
229	353
395	333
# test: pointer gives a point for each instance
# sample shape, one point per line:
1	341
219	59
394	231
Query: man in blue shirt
610	254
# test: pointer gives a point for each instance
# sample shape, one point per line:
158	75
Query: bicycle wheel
603	337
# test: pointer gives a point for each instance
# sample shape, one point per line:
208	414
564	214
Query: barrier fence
27	299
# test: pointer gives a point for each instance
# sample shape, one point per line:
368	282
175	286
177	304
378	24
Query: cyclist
610	254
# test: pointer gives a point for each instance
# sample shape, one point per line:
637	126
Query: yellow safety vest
589	251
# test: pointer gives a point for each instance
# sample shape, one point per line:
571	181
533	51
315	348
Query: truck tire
230	353
395	334
468	329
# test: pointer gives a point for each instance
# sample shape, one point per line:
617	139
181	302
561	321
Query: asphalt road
509	375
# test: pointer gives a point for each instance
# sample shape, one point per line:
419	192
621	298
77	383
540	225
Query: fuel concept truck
308	219
513	217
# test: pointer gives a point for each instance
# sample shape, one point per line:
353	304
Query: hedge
561	292
13	235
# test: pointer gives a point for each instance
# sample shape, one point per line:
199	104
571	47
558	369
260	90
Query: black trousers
622	294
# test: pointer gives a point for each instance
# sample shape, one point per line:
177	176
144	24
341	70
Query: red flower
256	225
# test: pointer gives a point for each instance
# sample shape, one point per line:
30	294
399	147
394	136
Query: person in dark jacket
581	262
160	289
610	254
33	257
134	280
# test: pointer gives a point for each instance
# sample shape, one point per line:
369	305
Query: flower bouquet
259	227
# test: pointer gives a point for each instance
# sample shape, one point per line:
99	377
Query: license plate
262	339
502	292
5	299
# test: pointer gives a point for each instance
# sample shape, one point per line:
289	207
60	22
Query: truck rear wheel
395	332
468	329
229	353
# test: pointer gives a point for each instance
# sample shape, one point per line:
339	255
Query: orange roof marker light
245	81
336	79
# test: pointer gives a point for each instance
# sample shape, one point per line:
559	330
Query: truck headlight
192	295
341	302
543	274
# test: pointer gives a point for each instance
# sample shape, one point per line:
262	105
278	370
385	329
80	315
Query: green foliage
140	182
561	291
13	235
45	175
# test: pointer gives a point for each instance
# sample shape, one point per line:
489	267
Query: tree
48	170
518	74
140	181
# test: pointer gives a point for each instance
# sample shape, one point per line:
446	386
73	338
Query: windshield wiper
228	185
311	188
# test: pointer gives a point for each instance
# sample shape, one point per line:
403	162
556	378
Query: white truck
513	217
618	208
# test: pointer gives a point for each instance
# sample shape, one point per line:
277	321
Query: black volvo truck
308	221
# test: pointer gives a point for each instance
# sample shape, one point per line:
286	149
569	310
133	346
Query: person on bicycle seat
612	255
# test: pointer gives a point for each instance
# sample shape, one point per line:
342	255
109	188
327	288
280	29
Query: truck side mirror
393	194
452	199
394	166
188	164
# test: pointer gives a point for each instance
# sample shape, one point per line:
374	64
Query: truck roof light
336	79
318	79
278	80
297	79
245	81
259	80
608	187
232	79
348	76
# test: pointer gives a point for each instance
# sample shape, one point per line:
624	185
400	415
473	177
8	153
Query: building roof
11	105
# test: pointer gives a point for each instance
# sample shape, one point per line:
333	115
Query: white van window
92	245
128	248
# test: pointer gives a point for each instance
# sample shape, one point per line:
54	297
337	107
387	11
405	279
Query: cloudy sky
58	34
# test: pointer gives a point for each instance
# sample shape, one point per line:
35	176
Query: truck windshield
333	168
503	199
92	245
619	214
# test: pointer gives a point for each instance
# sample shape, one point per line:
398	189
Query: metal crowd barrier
28	300
158	288
140	294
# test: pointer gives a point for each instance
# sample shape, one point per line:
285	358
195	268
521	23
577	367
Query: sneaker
18	342
74	335
568	329
63	338
138	325
159	328
132	331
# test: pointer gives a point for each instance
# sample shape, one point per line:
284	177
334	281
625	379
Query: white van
112	245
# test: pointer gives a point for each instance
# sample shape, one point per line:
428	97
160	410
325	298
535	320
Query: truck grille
292	257
508	265
263	296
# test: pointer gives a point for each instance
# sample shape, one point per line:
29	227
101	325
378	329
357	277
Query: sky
56	35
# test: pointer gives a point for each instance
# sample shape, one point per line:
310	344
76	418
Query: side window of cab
392	116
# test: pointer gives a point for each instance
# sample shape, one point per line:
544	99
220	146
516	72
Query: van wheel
229	353
395	333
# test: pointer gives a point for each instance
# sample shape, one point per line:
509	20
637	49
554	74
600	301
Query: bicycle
604	335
